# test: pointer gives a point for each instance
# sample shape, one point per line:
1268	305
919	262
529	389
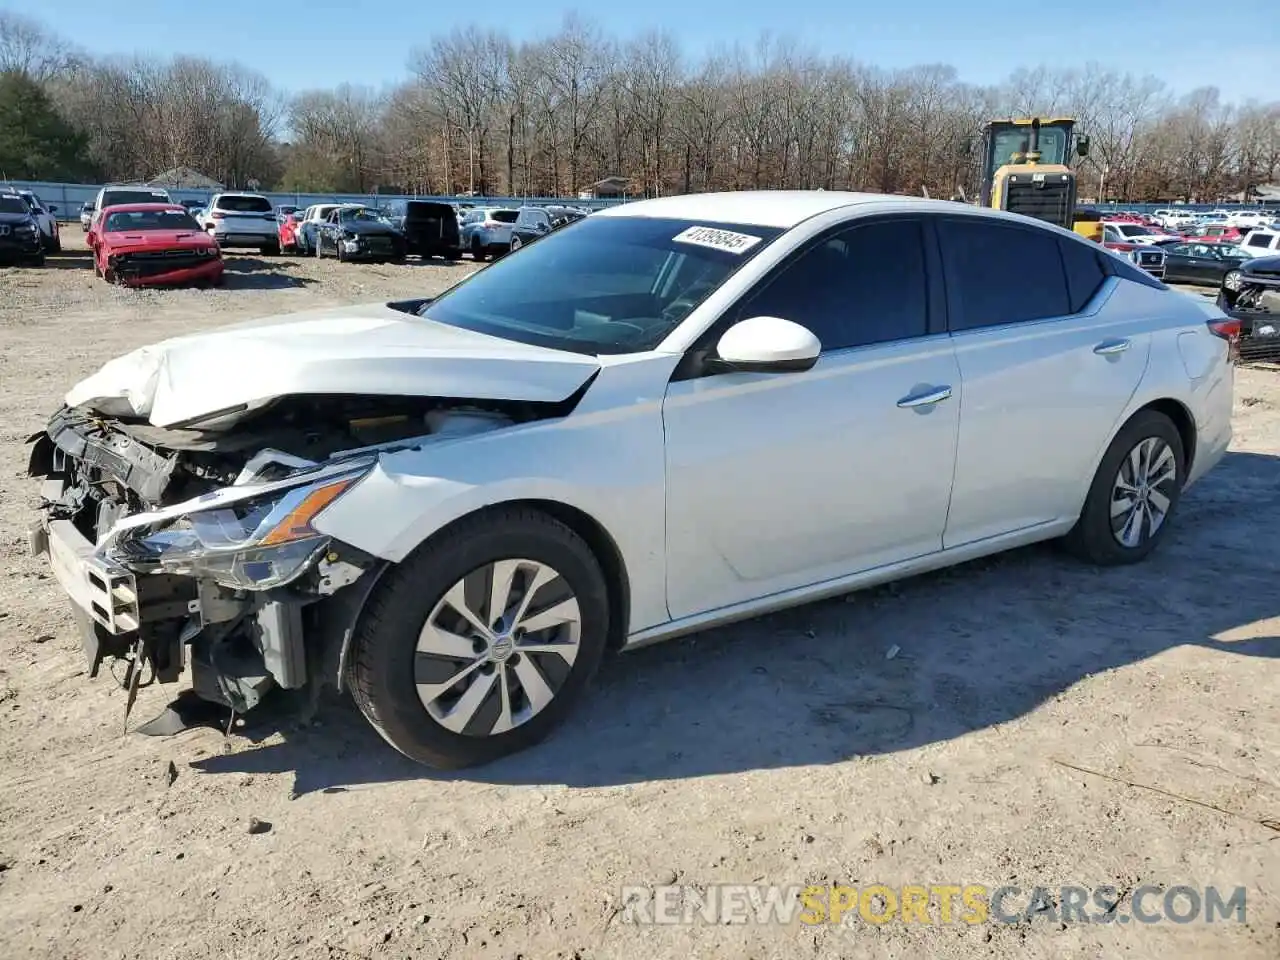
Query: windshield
1053	144
112	198
130	220
11	204
361	215
603	285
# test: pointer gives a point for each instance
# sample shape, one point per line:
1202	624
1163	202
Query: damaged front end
1252	296
187	547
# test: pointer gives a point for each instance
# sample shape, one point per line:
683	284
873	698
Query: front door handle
1108	348
925	398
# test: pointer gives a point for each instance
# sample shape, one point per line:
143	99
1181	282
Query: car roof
239	193
788	208
763	208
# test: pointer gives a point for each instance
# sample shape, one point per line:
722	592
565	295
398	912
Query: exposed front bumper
15	246
209	271
103	590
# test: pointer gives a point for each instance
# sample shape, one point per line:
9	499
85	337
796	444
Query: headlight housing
251	544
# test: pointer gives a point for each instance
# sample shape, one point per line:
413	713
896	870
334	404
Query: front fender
604	460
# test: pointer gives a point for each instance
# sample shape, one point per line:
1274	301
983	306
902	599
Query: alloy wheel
1232	280
497	647
1142	492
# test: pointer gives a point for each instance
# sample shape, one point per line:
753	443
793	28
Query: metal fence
70	197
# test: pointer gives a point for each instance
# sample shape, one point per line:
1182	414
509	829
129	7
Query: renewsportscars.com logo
941	904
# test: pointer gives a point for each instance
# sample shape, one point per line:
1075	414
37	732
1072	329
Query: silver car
486	231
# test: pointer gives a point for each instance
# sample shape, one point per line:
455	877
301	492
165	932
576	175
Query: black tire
1092	538
515	244
271	251
36	261
477	251
382	672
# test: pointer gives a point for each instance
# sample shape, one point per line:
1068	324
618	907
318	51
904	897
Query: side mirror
51	208
1082	146
768	345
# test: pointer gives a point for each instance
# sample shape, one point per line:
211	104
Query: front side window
999	273
863	285
608	285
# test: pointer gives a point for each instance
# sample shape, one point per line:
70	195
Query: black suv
20	239
430	227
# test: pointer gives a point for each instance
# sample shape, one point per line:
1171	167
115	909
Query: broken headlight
252	544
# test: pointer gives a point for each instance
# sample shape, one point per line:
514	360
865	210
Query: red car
289	224
153	244
1215	233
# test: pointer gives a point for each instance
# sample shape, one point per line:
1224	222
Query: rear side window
504	216
244	204
1085	274
999	273
861	286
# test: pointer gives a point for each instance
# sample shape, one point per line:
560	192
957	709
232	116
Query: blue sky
295	43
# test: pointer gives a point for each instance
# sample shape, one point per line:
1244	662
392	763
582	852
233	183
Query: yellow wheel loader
1025	169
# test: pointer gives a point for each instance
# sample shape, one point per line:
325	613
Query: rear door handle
1109	347
925	398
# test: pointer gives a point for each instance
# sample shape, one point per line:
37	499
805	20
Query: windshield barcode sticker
717	239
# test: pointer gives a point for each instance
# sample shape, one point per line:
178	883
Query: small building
184	178
608	188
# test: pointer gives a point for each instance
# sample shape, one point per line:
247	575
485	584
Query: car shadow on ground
251	273
812	685
69	260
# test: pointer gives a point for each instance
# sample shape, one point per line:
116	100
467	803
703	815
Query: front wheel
1134	494
480	643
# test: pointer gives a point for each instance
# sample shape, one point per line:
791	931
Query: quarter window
861	286
1085	273
999	273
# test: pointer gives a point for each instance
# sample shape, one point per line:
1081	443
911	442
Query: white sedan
672	414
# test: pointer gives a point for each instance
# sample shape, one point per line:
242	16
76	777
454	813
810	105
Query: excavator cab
1026	169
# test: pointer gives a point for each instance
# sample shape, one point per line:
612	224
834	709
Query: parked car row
41	213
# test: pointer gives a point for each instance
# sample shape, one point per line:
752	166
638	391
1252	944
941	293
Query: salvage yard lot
785	750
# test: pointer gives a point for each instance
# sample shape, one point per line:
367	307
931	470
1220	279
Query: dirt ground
786	750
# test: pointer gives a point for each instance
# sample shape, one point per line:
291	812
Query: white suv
110	196
242	220
1261	243
487	232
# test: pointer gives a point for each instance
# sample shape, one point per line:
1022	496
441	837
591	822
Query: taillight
217	216
1229	330
1226	328
490	224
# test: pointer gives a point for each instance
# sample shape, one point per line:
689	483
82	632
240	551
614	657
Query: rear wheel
271	250
480	643
515	244
477	251
1134	494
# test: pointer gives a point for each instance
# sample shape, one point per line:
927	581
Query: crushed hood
372	350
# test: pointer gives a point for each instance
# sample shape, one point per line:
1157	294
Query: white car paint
233	227
731	495
372	349
1261	243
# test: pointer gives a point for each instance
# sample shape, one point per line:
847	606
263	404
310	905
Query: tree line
481	112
